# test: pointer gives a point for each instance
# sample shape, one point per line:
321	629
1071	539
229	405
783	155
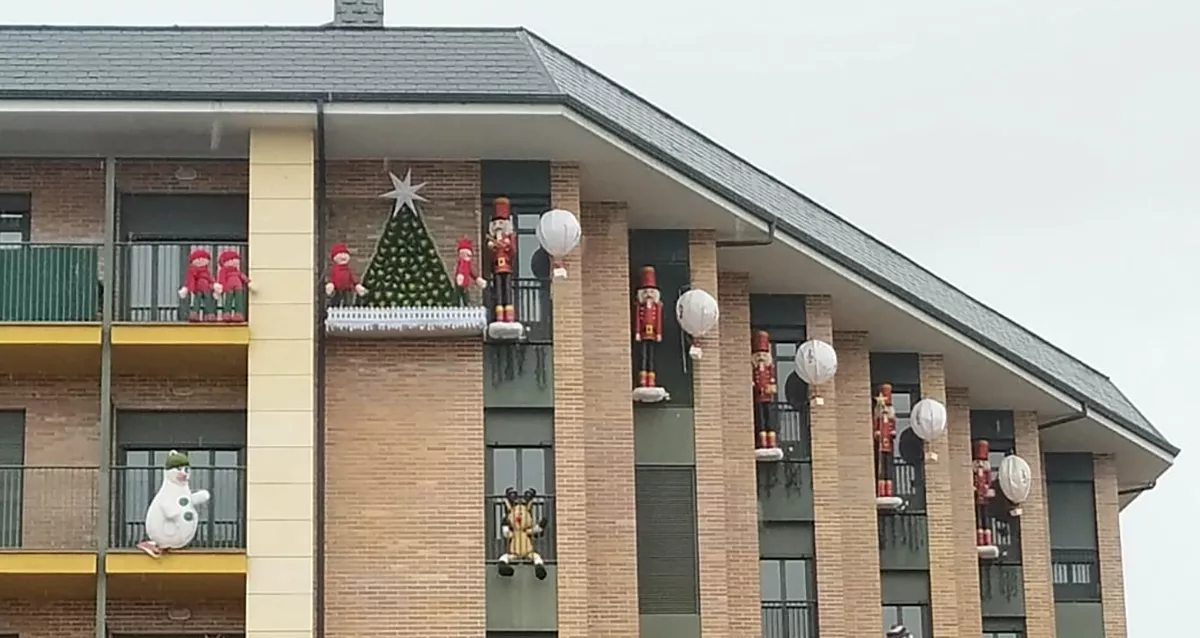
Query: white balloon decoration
558	232
697	313
1016	481
816	363
929	422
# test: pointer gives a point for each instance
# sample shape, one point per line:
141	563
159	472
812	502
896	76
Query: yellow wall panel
278	612
279	392
281	216
281	501
281	181
276	249
279	428
281	321
277	285
278	465
282	575
268	356
278	538
281	146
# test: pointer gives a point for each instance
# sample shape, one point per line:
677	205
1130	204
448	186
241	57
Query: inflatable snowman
172	520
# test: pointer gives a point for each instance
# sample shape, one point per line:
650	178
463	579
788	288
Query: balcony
789	619
521	602
47	530
222	521
1076	575
904	533
534	308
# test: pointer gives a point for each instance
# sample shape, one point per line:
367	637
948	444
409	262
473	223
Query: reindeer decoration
520	529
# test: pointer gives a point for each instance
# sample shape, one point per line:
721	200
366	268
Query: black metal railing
791	619
151	274
1006	534
909	484
48	507
546	544
222	519
51	283
792	429
532	301
1076	574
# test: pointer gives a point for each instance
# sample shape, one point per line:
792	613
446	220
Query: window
788	598
668	569
915	617
521	468
1075	574
12	491
1003	634
791	401
14	219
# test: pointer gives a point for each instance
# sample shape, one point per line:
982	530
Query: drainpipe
322	224
1070	418
104	481
746	243
1129	491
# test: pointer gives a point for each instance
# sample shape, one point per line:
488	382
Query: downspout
746	243
104	482
322	223
1131	491
1070	418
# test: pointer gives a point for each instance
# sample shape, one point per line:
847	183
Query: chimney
358	13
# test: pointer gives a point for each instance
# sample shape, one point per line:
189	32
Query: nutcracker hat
885	389
762	341
338	249
981	450
176	460
649	277
466	244
503	208
228	256
199	253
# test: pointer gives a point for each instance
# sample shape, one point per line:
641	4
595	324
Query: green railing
151	274
49	282
51	508
222	519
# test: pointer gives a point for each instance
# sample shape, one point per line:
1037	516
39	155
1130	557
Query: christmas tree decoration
558	232
929	422
404	194
466	271
343	287
647	334
172	519
697	314
816	363
198	288
231	287
502	242
766	443
984	492
1015	479
883	427
521	531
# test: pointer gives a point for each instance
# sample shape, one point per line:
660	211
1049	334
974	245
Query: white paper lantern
697	313
1016	481
558	232
929	422
816	362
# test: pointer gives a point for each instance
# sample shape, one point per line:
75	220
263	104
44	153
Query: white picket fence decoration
427	321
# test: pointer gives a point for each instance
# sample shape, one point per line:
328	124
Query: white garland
424	321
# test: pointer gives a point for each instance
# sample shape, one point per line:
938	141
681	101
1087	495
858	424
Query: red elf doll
466	271
231	287
343	286
198	287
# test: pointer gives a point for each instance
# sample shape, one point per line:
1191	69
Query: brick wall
77	619
741	487
962	502
612	554
404	494
1035	534
1108	537
944	562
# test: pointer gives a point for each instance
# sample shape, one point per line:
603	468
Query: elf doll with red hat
765	388
198	287
231	286
503	244
343	286
984	492
647	333
466	271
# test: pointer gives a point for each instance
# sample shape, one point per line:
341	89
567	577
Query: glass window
14	226
520	468
1003	634
788	598
218	471
914	617
785	366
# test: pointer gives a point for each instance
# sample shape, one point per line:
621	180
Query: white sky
1038	155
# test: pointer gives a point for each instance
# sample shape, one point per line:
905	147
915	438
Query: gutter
1134	491
1070	418
321	221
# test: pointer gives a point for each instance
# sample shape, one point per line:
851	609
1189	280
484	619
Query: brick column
962	500
827	498
741	486
612	552
944	561
1108	537
570	440
856	454
710	452
1035	534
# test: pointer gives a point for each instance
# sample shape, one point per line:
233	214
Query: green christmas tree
406	270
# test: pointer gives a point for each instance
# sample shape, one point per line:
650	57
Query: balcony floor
189	574
152	350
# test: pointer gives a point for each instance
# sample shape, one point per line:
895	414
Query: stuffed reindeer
520	529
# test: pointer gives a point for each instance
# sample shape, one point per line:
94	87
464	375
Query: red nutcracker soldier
984	492
502	242
647	334
466	271
883	424
765	389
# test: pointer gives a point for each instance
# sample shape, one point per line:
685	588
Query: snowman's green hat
177	459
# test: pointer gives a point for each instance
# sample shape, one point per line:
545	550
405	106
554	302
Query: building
357	476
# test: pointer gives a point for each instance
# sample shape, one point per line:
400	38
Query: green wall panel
1079	620
670	626
785	491
903	542
522	602
904	587
664	436
1001	590
520	376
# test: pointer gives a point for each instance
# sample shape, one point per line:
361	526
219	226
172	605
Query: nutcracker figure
883	424
198	287
982	473
647	334
343	287
520	529
466	271
503	245
765	389
231	286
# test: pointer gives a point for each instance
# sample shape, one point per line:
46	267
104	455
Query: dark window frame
547	544
922	630
799	610
16	213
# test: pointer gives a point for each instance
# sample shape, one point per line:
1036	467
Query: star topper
404	192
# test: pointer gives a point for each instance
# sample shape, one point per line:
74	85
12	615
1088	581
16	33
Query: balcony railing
789	619
1006	534
909	484
792	429
546	545
49	282
48	508
150	275
1076	574
531	298
222	519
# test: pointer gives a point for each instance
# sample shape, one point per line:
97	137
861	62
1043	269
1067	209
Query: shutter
668	572
182	430
12	437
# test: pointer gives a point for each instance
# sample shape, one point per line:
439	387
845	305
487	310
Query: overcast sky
1039	155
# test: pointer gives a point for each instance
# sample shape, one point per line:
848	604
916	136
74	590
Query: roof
504	65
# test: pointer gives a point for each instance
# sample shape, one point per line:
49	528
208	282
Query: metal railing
546	544
222	519
50	508
1076	574
791	619
150	274
909	484
792	428
1006	534
531	298
49	282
